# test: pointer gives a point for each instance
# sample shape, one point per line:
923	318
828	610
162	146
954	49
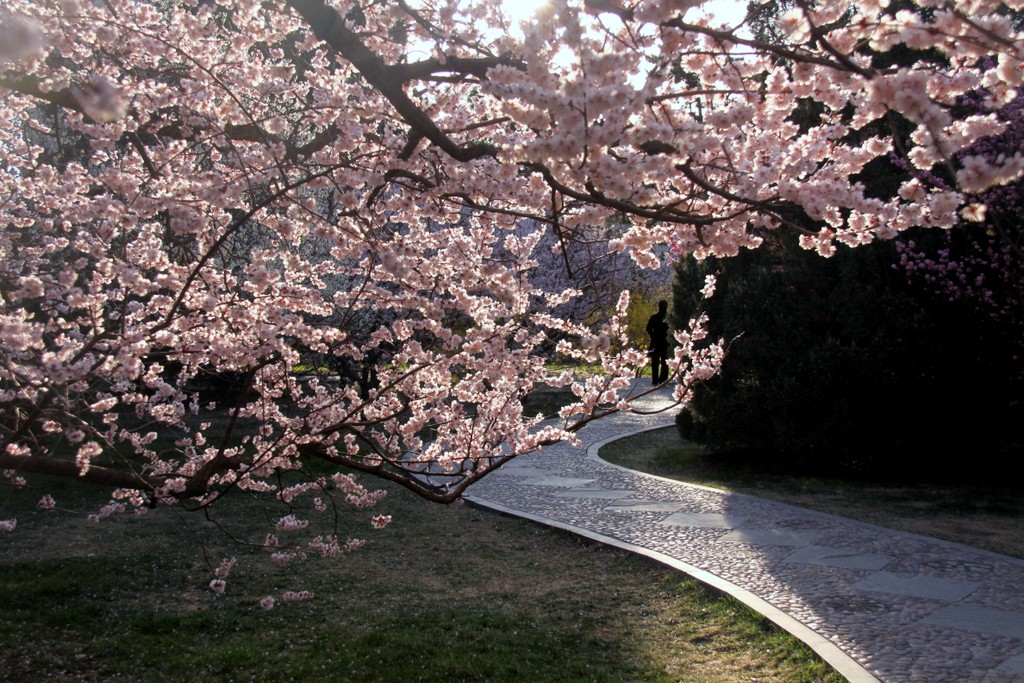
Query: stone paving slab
769	537
645	506
556	481
712	520
1012	666
917	586
603	494
838	557
877	604
995	622
514	469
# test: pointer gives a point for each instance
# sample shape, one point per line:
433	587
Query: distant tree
581	261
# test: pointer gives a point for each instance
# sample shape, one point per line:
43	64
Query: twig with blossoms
191	207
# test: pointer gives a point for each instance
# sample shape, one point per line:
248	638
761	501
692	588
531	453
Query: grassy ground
988	517
443	594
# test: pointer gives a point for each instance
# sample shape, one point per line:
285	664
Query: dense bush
838	365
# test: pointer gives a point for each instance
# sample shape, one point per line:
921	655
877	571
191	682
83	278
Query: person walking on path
657	330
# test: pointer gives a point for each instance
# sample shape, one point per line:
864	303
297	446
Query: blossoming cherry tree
261	189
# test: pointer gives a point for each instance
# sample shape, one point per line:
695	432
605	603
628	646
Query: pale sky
731	11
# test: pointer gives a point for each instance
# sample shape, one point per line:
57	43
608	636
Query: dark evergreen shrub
837	365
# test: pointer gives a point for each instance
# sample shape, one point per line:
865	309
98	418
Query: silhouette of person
657	330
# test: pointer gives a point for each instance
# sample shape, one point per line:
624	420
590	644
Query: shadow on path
877	604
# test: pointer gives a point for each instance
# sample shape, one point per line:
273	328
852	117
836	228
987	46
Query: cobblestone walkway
879	605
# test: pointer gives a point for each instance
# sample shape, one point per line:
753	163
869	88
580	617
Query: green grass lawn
986	516
443	594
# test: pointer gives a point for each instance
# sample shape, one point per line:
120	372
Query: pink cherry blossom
297	596
973	212
222	570
291	523
239	251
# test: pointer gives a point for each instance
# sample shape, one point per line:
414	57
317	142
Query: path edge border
592	453
843	663
848	667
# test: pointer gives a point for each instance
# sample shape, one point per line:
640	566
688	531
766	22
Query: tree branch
103	476
328	26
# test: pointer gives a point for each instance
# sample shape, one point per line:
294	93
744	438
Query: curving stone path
877	604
